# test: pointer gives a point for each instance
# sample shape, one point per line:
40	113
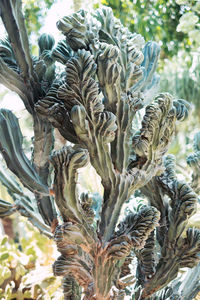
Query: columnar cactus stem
108	77
193	161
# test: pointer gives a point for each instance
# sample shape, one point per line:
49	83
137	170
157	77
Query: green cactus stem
109	75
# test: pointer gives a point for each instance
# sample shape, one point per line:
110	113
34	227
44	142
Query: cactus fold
94	104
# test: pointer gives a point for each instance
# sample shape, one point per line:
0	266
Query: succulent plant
109	76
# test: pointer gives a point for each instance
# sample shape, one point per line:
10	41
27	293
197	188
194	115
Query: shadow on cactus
109	76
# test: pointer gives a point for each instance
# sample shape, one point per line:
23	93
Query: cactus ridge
92	108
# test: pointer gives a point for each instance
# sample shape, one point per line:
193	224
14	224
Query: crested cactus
193	161
109	76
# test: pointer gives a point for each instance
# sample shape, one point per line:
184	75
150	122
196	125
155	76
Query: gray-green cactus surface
96	104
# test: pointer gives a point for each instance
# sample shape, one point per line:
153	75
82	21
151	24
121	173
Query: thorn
51	192
54	224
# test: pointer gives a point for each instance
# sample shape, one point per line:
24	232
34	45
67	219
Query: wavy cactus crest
193	161
109	76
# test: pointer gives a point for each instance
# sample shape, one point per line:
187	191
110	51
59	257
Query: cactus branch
14	23
11	149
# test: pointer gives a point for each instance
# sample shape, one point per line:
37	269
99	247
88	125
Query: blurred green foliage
175	24
183	81
189	21
25	266
154	19
34	13
172	23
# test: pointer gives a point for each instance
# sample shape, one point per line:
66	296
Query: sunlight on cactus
109	77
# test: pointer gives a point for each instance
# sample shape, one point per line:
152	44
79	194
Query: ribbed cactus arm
6	208
146	259
175	250
118	70
22	206
9	74
127	107
12	80
183	199
193	161
18	163
66	162
168	294
30	77
11	149
150	79
153	139
24	202
92	127
11	13
137	227
157	199
71	288
190	286
121	66
43	144
52	109
157	129
186	255
132	234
